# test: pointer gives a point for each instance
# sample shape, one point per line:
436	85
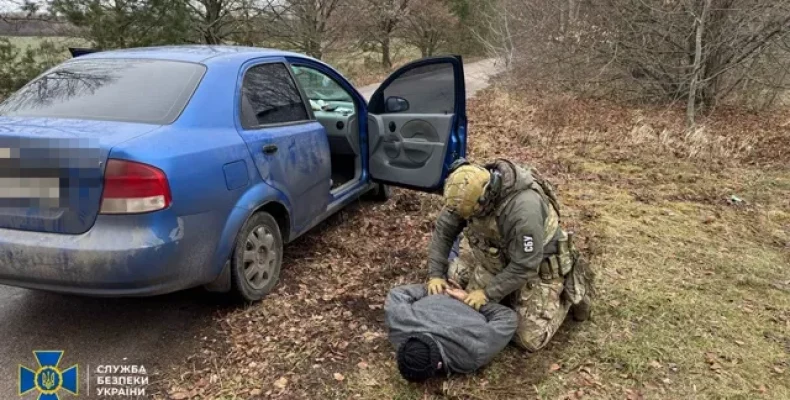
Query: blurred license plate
29	188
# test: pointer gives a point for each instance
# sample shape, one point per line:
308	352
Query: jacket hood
467	339
514	178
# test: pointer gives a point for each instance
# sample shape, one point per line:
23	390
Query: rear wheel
257	258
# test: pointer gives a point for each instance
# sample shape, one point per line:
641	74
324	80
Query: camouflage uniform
516	252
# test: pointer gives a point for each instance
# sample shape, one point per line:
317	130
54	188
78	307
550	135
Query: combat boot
581	312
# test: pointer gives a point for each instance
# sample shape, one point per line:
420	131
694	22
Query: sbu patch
528	244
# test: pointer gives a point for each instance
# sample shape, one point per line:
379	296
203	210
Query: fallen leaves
180	395
281	383
326	312
713	362
554	368
633	394
762	389
574	395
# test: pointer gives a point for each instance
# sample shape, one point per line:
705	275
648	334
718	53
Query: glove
437	285
476	299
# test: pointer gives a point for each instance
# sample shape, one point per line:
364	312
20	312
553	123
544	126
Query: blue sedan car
145	171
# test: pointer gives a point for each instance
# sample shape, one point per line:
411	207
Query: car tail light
131	188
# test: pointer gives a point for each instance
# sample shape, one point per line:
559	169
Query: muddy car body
146	171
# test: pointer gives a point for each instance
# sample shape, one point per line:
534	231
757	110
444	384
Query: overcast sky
13	5
8	5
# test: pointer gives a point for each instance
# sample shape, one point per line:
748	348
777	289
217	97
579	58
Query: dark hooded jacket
467	339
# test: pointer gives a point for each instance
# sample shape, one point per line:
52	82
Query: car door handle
392	138
269	149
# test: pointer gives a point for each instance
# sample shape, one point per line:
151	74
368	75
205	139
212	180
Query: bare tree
381	20
697	72
498	30
308	26
216	20
428	26
699	52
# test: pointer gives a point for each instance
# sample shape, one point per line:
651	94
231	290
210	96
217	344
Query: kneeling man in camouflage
513	251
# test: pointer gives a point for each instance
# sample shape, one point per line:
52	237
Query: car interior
334	108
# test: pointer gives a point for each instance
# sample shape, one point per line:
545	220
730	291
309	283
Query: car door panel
299	167
341	130
414	151
413	144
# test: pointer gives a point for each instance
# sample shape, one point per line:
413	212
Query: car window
324	93
428	89
270	96
134	90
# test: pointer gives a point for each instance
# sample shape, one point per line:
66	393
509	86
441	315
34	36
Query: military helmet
466	189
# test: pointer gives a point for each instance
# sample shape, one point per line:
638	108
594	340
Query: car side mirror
396	104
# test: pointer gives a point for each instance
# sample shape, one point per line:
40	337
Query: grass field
33	41
60	43
694	289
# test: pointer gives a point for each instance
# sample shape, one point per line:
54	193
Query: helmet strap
492	189
457	164
496	184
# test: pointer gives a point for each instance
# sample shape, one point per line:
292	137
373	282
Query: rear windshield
133	90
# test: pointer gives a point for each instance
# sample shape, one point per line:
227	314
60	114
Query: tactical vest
488	246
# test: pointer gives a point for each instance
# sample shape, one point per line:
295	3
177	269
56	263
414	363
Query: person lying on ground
440	334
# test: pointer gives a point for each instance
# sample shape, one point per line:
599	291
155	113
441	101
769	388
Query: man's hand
456	293
476	299
437	286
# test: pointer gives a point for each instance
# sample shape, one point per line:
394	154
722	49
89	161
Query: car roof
193	53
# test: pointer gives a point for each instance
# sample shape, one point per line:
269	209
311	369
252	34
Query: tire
381	193
257	258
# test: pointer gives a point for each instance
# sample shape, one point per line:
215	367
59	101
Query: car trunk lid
51	171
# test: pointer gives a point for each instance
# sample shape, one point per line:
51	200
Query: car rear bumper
136	255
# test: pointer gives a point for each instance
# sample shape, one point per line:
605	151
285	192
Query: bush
18	66
700	53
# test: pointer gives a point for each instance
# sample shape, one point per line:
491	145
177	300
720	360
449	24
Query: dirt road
153	332
477	74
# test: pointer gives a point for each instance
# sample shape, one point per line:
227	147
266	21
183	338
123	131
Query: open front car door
417	124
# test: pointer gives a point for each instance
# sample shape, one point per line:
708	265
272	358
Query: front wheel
257	258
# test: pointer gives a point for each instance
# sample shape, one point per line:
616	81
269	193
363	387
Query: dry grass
694	289
364	68
60	42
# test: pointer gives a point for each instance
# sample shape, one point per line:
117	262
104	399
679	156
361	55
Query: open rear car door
417	124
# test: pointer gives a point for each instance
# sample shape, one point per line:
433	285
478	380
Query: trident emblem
48	379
